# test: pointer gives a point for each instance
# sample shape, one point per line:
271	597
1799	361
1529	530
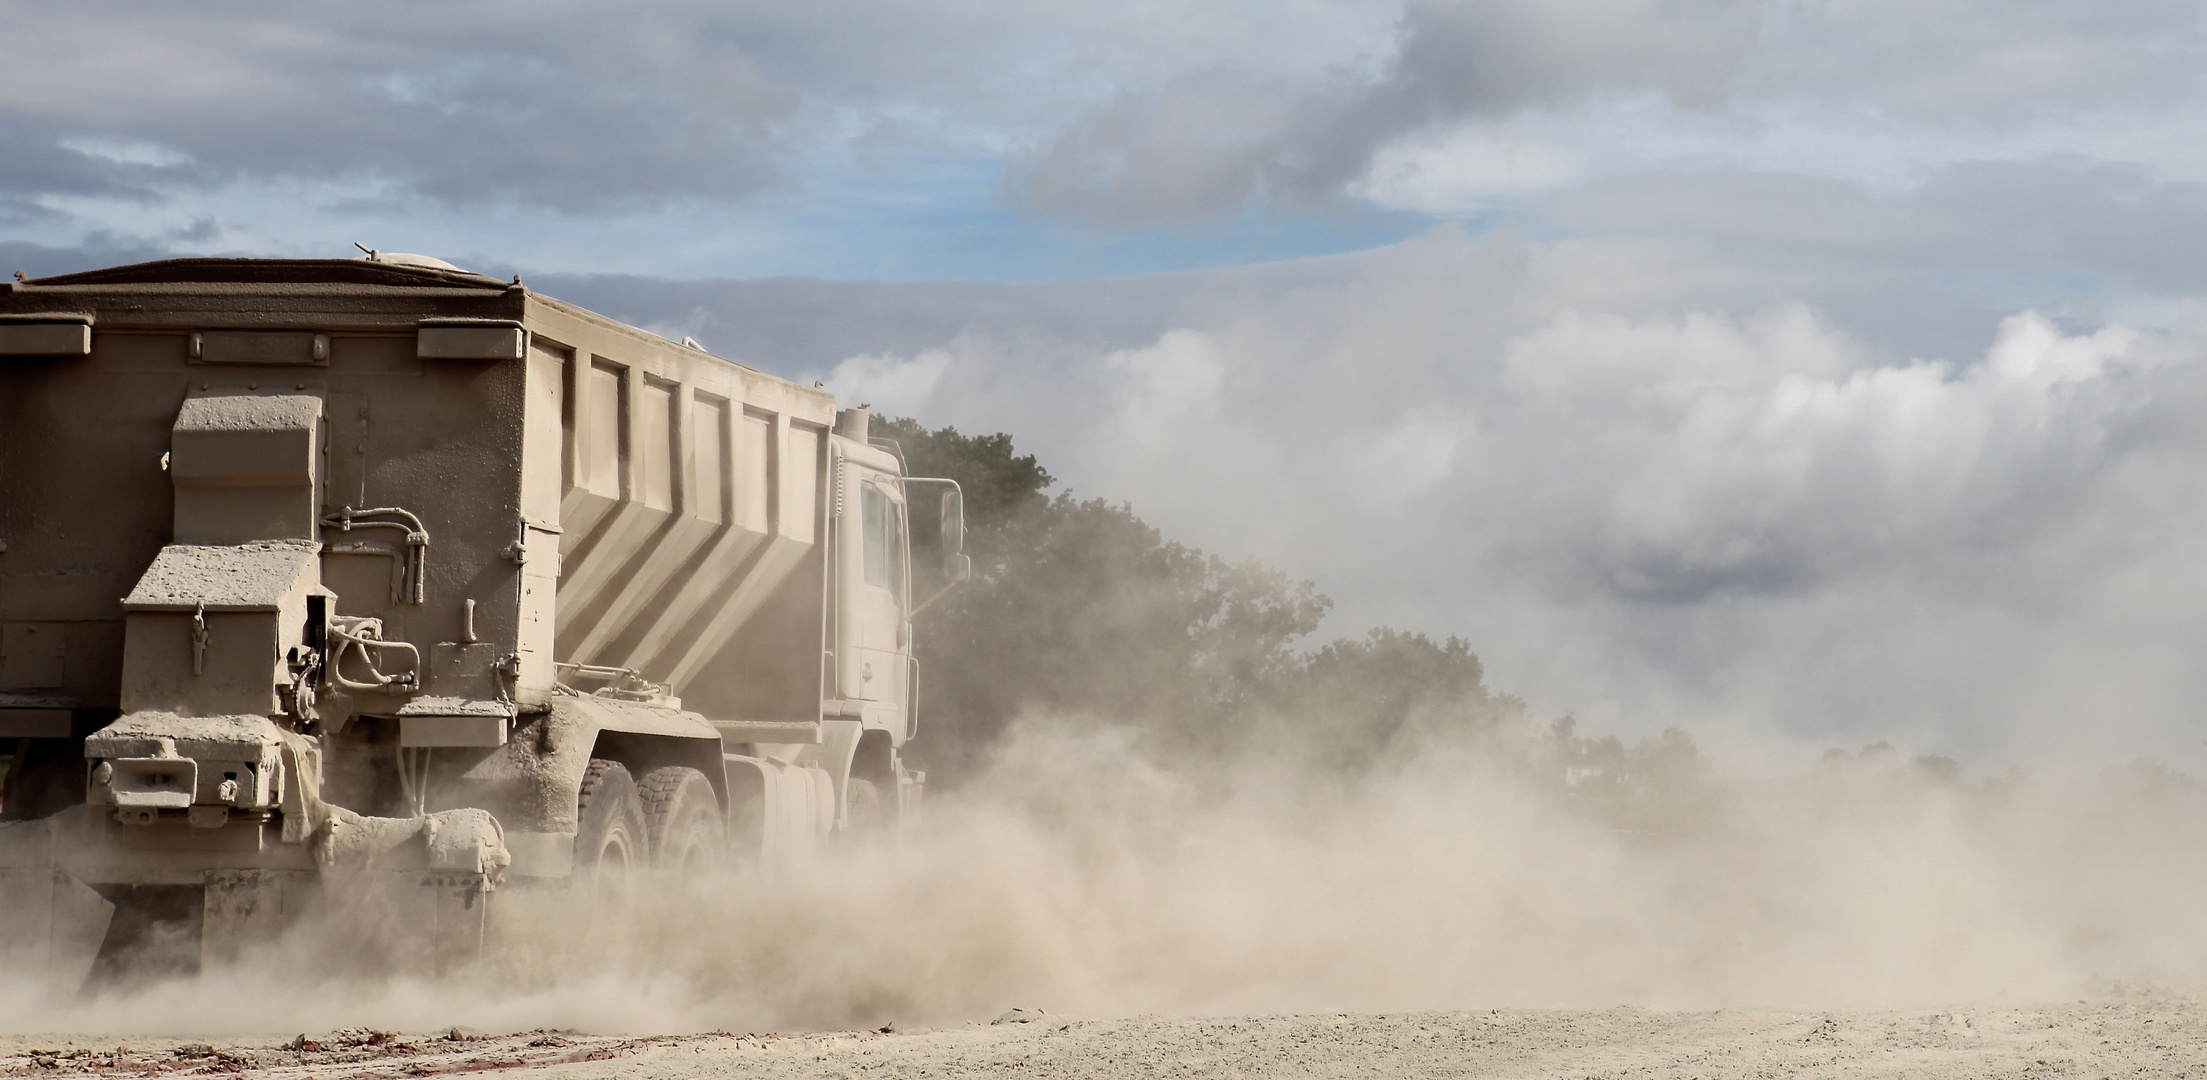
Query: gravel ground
2156	1037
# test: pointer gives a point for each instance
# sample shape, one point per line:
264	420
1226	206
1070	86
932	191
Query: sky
1800	373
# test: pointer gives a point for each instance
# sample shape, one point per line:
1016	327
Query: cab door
878	599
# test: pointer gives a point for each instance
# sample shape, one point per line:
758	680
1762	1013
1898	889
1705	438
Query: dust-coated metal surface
427	547
610	498
2151	1037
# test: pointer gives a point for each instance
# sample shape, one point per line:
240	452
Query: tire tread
606	778
593	779
661	792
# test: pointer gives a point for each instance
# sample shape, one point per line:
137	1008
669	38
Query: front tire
862	816
683	820
610	832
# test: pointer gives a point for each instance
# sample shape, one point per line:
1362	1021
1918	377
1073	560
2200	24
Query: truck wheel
862	815
609	832
682	818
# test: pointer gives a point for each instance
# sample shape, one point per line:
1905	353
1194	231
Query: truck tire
862	815
682	818
609	830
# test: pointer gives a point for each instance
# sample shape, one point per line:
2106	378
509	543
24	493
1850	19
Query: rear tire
682	817
610	831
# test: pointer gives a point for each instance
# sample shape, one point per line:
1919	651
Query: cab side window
896	552
876	529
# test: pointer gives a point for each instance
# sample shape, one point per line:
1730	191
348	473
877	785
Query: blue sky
1810	370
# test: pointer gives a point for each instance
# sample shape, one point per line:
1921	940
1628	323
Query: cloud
570	106
1468	57
1716	518
1208	142
895	386
784	125
1747	457
35	162
1440	105
1978	61
467	106
1421	451
1463	169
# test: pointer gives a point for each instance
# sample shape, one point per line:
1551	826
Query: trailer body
310	566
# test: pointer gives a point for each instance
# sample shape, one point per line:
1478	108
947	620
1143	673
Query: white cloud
891	385
1172	383
1743	458
125	151
1464	169
1385	468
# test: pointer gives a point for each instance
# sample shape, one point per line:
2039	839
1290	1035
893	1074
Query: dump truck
324	574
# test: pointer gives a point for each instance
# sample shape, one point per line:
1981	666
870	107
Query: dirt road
2160	1037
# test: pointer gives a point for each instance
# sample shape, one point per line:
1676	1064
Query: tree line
1080	608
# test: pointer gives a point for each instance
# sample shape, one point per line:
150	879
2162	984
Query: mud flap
155	933
417	921
394	895
177	931
386	922
432	918
50	925
458	917
911	789
245	907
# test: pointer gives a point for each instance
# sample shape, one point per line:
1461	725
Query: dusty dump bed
453	492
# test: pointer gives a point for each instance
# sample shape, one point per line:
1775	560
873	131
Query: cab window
896	551
876	510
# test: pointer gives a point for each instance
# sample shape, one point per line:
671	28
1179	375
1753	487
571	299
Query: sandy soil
2159	1037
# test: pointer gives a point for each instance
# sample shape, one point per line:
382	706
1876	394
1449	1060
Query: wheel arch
644	751
875	759
534	784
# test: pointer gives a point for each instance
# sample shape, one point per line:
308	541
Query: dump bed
525	493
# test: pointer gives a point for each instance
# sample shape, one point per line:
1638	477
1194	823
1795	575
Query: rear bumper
64	879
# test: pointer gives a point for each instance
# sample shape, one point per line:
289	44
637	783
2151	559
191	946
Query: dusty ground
2134	1037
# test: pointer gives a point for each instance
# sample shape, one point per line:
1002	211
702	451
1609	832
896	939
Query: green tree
1359	698
1080	607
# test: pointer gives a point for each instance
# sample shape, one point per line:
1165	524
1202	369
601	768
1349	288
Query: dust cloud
1093	870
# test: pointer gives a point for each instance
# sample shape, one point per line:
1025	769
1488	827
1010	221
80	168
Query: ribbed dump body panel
609	498
689	502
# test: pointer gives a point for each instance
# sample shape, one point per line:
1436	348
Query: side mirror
954	525
957	568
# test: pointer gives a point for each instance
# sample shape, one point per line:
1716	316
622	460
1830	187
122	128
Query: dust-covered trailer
314	569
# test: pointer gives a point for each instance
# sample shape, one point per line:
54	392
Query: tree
1361	697
1080	607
